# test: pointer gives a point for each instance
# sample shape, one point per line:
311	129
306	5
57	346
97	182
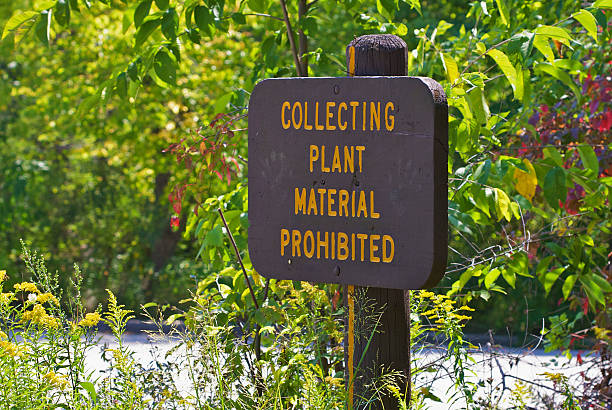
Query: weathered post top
377	54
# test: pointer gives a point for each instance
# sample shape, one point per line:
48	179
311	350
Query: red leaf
177	207
585	305
175	221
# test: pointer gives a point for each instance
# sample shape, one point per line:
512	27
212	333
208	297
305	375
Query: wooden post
370	352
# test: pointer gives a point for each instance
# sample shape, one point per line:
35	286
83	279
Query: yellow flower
440	321
8	348
6	298
47	297
3	276
466	308
3	335
39	315
461	317
91	319
426	294
333	381
55	380
26	287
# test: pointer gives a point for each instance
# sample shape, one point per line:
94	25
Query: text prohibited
348	180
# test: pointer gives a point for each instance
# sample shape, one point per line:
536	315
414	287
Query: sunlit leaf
588	21
502	205
526	182
450	66
554	187
589	158
17	20
503	11
509	71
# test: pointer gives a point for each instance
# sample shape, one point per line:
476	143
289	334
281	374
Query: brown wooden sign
348	180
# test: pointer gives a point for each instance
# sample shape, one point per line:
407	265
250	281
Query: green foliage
529	145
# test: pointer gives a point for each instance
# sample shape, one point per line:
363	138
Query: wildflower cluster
90	320
55	380
39	316
441	309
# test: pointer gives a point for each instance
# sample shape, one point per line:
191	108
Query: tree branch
296	58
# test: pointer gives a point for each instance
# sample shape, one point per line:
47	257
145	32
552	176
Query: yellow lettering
318	126
387	257
349	159
362	208
330	202
321	198
329	115
373	213
364	105
374	248
284	240
362	237
336	161
308	252
360	149
323	167
314	155
306	125
342	246
352	246
322	244
296	239
374	115
343	198
341	125
389	119
300	200
287	124
296	124
312	202
354	105
333	245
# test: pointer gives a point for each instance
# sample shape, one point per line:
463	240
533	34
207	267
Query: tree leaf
502	205
589	158
91	390
43	26
478	105
568	285
165	66
549	278
588	21
491	277
145	30
552	153
121	85
542	44
554	187
509	277
169	24
141	12
450	66
259	6
17	20
526	182
559	75
554	32
204	20
509	71
162	4
603	4
503	11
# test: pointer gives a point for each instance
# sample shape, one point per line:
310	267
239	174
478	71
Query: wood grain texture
389	346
